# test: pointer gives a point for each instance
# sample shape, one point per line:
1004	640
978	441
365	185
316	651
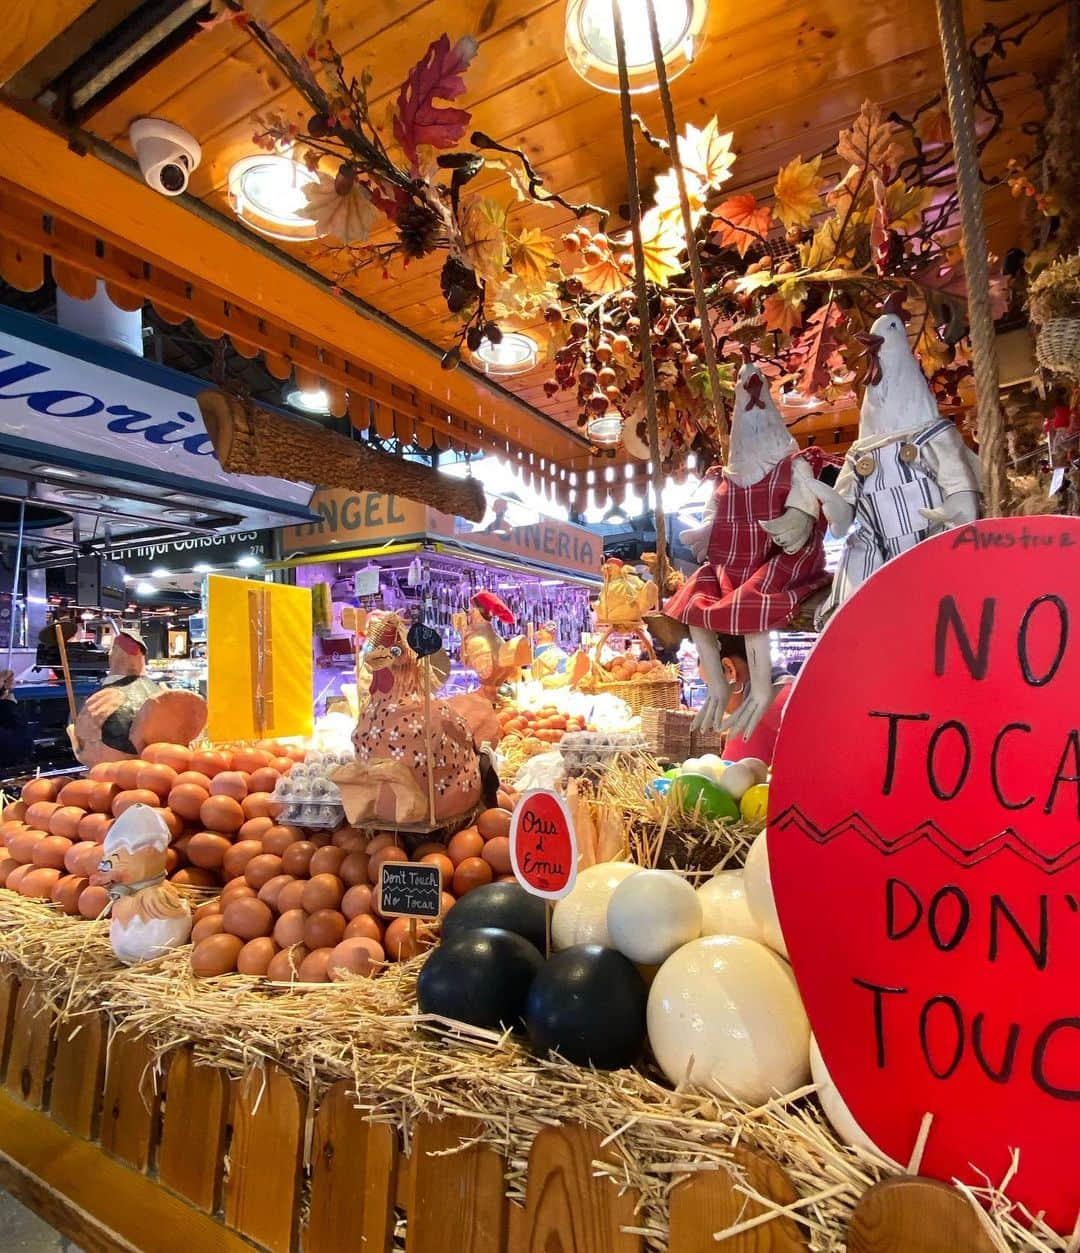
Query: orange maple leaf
781	313
739	220
797	191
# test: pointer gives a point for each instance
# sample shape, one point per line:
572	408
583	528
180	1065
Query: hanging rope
700	301
644	318
991	430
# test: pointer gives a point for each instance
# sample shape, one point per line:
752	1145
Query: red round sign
543	851
924	846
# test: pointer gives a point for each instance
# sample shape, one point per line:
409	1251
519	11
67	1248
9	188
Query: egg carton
583	750
310	798
317	817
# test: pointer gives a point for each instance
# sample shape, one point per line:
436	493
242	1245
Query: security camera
167	154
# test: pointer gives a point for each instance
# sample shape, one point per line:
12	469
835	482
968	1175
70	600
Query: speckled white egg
737	779
760	768
759	894
836	1110
724	1013
724	908
651	914
581	916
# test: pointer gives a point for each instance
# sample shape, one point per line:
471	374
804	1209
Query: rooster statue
495	661
388	782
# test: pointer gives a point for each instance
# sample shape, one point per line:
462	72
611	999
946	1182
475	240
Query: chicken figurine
130	710
149	916
762	550
495	661
388	782
908	476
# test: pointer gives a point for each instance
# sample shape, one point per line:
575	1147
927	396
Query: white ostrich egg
581	916
651	914
724	908
836	1110
736	780
759	894
760	768
711	766
724	1014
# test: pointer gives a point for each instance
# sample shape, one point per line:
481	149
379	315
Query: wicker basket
670	737
1058	346
639	694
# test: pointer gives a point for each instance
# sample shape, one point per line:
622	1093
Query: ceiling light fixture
266	191
590	40
309	399
248	562
145	589
202	568
606	431
56	471
159	572
515	353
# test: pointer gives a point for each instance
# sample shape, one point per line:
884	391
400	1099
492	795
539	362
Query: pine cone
420	227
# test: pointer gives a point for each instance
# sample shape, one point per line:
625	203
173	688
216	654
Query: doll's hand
790	530
696	538
838	513
956	510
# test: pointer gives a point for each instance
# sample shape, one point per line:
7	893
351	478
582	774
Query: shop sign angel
761	545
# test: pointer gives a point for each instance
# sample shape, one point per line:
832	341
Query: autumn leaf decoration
532	255
436	76
740	222
797	192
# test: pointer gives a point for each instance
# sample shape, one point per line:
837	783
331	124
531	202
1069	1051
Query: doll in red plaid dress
762	548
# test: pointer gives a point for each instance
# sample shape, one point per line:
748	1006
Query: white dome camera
167	154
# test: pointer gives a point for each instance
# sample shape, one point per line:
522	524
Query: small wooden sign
410	889
543	850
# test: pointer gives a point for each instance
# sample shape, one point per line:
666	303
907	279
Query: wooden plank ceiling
785	76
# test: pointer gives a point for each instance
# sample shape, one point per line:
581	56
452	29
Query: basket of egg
643	683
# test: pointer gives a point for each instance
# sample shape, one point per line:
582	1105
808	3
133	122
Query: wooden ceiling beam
29	26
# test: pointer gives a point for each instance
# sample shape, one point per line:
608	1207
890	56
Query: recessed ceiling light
248	562
77	495
590	39
180	515
310	400
267	193
606	431
56	471
515	353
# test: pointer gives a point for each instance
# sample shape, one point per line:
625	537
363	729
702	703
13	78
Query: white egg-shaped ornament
581	916
725	1014
759	893
724	907
834	1106
759	767
711	766
736	780
692	765
651	914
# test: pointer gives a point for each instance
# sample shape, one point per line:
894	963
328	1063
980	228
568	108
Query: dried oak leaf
348	219
739	221
933	128
796	192
870	143
436	76
817	350
532	255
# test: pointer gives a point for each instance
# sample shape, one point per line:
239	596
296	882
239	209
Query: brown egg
297	857
447	901
157	778
471	873
285	965
15	812
354	868
315	967
281	764
262	869
357	900
384	840
94	827
264	779
65	821
248	918
293	753
256	955
193	778
92	901
77	792
195	877
289	928
186	799
363	926
255	829
494	823
207	849
324	929
260	805
102	797
86	858
428	846
16	876
213	924
467	843
210	762
350	839
221	813
272	747
67	891
271	890
40	790
446	867
319	838
505	878
376	862
292	896
324	891
104	772
497	854
210	910
506	801
134	796
181	844
396	942
126	773
39	814
7	865
326	861
72	858
39	882
277	839
251	759
9	830
173	821
216	955
174	859
176	756
236	889
356	956
50	851
230	783
21	846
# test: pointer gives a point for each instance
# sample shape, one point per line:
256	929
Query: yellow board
260	667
